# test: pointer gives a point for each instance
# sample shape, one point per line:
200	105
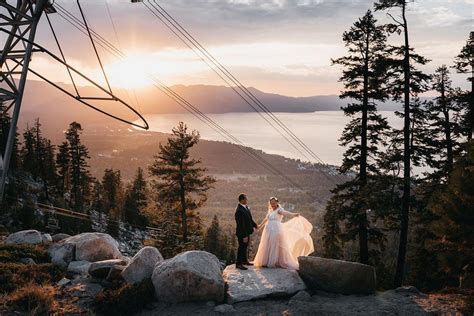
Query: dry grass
14	275
33	299
13	253
126	299
449	301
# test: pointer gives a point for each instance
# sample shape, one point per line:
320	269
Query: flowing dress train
282	243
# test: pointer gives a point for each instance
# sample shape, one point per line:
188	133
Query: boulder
189	276
101	269
466	280
79	267
225	309
337	276
32	237
62	253
27	261
142	264
47	239
63	282
257	283
301	296
85	288
92	247
59	237
127	259
409	290
115	273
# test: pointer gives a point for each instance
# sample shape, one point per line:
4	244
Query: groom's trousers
242	250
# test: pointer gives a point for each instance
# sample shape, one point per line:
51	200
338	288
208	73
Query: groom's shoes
241	267
248	263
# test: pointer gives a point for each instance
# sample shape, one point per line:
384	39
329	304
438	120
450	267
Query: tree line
164	195
431	211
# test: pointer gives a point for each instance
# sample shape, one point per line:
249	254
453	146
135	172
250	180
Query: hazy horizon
277	46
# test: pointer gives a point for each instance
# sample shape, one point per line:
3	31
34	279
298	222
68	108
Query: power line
227	82
175	27
66	15
68	213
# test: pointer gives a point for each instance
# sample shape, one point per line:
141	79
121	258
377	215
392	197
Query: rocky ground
394	302
87	274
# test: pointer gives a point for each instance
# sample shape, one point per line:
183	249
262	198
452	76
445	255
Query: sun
131	72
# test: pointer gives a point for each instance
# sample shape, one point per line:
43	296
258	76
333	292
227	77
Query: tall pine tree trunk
402	249
182	194
471	107
449	142
447	129
363	234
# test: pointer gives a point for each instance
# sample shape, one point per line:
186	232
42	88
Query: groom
245	227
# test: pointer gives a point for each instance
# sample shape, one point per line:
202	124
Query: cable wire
180	101
176	28
93	45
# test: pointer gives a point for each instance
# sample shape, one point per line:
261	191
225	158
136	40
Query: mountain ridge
56	109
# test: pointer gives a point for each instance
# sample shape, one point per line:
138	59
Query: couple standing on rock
281	243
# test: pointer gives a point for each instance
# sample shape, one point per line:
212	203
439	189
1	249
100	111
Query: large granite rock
62	253
142	264
101	269
94	247
84	247
189	276
31	237
337	276
47	239
115	273
256	283
59	237
79	267
466	280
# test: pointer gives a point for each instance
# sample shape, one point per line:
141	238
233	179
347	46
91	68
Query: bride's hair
273	198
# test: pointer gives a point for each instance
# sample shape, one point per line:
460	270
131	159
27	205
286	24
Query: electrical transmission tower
18	23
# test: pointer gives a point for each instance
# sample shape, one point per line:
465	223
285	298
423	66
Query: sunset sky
279	46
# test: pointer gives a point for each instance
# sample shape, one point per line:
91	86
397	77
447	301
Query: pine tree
181	185
48	170
464	64
112	199
405	80
37	155
28	155
453	208
112	191
422	149
446	128
332	231
63	165
213	239
364	134
78	168
136	199
5	120
96	198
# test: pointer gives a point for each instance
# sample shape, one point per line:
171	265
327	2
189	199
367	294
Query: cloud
264	41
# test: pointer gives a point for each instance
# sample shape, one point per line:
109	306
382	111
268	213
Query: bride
282	243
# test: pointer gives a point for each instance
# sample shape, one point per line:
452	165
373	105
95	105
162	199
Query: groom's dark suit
245	226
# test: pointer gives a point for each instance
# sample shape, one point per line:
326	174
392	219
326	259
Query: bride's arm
262	224
286	213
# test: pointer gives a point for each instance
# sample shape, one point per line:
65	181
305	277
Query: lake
320	131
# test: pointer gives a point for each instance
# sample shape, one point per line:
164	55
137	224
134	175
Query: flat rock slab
256	283
337	276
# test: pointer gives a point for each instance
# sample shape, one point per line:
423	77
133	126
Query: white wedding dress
282	243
